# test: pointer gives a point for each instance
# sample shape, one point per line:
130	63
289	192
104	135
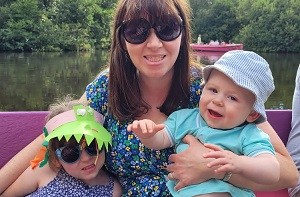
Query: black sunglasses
71	153
136	31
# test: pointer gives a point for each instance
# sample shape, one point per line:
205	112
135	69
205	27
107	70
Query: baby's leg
223	194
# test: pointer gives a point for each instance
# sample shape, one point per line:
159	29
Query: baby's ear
253	116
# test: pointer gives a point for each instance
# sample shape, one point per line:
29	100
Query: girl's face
85	167
154	58
225	105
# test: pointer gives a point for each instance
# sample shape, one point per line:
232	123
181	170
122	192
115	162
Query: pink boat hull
219	48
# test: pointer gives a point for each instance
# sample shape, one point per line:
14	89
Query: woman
150	77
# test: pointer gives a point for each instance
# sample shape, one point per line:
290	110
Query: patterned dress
66	185
141	171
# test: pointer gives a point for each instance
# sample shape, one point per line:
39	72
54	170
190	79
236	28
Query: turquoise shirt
246	139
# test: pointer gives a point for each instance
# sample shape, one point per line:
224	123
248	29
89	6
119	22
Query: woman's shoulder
97	92
196	72
196	86
196	78
100	81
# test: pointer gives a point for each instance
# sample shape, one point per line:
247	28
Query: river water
31	81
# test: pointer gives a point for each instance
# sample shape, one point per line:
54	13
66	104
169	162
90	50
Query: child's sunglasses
71	153
136	31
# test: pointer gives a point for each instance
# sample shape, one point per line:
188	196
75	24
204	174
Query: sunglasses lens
168	29
136	31
69	154
92	148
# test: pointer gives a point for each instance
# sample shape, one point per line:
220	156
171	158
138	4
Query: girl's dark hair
125	101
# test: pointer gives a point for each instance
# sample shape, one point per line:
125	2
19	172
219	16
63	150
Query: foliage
274	28
55	25
214	20
77	25
262	25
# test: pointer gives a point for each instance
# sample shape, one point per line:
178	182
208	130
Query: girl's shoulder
111	182
117	188
45	174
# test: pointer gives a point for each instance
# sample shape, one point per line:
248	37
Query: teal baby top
246	139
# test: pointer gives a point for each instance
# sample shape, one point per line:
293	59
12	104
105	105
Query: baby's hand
225	160
144	128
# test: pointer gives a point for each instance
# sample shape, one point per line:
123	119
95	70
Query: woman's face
154	58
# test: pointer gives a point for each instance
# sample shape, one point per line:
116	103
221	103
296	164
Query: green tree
18	30
55	25
214	20
270	26
262	25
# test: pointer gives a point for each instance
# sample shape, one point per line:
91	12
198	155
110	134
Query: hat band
67	117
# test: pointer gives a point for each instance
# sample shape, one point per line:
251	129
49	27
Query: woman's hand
225	161
189	167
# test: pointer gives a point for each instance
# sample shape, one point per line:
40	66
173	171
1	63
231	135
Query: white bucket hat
248	70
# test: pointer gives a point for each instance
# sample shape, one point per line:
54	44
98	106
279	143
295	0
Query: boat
223	47
211	56
215	46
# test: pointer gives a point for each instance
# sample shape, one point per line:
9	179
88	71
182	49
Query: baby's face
224	104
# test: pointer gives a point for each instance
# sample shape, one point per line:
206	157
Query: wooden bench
17	129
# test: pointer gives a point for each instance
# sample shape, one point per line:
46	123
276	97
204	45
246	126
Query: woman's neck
154	93
155	90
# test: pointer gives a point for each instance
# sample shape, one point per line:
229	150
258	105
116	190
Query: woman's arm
83	97
251	168
26	183
18	164
294	137
288	170
190	161
189	167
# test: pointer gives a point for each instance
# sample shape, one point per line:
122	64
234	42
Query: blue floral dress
141	171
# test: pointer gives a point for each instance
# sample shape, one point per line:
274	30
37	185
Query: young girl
76	145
